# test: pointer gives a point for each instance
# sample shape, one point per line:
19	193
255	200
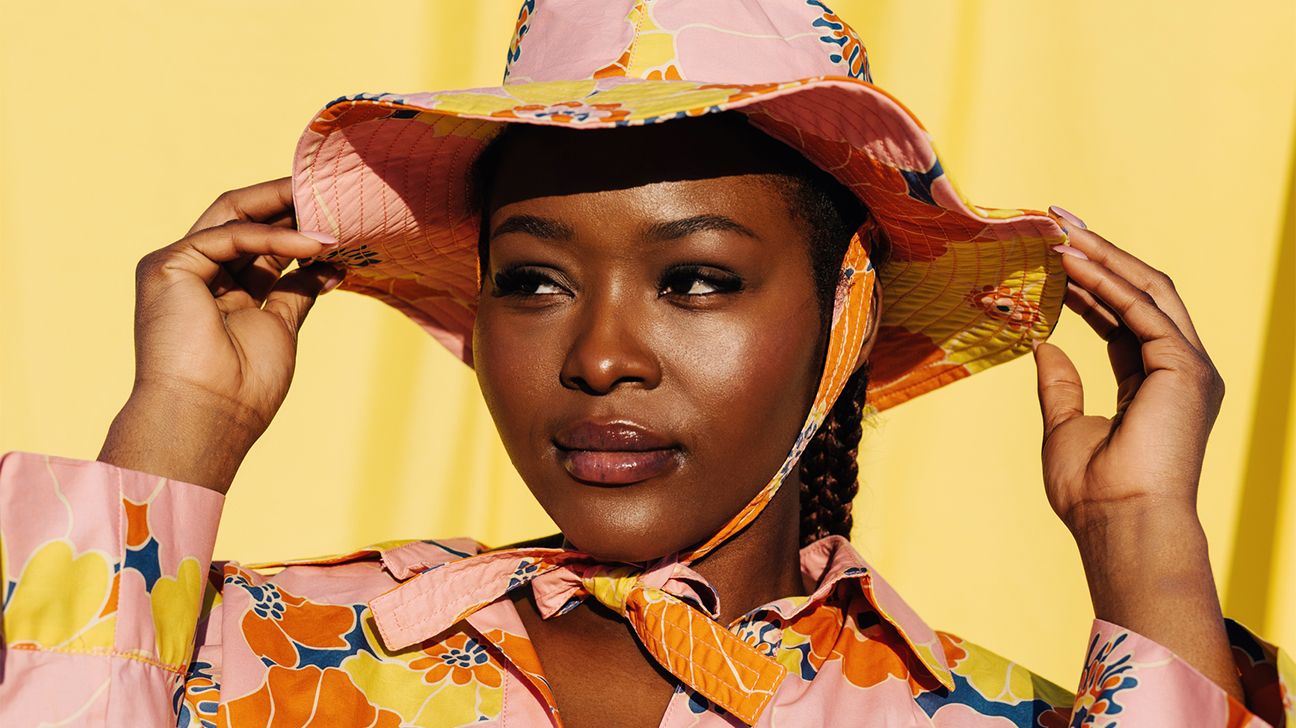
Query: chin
630	533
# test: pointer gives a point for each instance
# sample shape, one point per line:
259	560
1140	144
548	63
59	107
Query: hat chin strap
852	305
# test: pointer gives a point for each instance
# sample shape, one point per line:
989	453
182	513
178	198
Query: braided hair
829	467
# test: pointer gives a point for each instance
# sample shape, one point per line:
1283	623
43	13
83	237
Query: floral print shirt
115	615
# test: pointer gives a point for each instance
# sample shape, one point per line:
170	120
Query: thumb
1061	393
293	295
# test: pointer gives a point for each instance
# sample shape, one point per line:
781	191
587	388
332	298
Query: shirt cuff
1129	679
99	559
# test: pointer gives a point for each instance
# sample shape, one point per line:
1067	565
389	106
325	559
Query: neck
761	563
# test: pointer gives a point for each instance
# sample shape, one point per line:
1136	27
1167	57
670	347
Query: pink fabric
861	667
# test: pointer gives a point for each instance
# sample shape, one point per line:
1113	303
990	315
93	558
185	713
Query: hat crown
713	41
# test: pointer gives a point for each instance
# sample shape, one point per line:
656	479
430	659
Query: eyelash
523	281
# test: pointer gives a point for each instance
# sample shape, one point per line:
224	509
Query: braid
829	468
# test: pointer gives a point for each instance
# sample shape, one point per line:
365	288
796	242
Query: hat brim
965	287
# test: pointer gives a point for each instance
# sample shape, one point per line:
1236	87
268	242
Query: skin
216	330
616	320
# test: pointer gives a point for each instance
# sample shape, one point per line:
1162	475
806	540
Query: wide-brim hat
388	175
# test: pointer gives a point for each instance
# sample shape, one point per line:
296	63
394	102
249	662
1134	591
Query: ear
871	327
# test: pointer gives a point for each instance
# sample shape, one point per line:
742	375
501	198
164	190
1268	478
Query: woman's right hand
216	324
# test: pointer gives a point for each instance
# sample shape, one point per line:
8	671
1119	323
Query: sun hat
966	287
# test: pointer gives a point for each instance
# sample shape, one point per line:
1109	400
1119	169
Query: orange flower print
760	635
952	645
195	701
460	657
810	639
1005	304
519	31
900	350
289	630
848	50
1106	674
871	651
307	697
738	92
567	112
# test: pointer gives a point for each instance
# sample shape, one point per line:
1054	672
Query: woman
662	315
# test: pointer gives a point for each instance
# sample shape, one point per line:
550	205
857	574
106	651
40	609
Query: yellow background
1168	126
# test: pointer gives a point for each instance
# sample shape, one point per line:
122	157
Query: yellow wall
1168	126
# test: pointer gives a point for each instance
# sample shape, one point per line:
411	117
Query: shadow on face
649	334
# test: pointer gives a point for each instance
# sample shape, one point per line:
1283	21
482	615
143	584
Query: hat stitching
866	184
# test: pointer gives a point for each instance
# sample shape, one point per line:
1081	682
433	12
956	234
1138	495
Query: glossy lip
614	453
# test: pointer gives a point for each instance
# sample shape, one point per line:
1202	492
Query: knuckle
1159	282
225	202
1201	370
1141	298
1215	384
147	265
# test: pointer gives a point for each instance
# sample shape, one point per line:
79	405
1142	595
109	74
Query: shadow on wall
1254	540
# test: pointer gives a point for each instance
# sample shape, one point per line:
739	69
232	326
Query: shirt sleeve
1129	679
103	572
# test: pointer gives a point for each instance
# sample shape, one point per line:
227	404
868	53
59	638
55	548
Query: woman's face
648	338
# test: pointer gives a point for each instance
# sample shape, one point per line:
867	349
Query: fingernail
1068	216
332	281
323	238
1068	250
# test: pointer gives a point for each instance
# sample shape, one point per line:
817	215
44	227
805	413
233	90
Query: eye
698	280
525	281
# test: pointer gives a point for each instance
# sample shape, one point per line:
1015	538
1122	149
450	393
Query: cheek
751	377
513	365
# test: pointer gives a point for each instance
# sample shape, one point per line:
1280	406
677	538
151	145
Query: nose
608	351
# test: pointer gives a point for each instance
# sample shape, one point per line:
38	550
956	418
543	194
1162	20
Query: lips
615	453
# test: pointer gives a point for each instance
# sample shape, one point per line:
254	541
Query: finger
268	202
294	294
1143	276
223	284
261	274
203	253
1124	350
1101	319
1125	353
1137	309
1061	394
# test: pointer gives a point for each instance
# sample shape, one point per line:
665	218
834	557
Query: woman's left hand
1126	485
1148	455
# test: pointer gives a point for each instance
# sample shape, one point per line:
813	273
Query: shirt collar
832	561
828	562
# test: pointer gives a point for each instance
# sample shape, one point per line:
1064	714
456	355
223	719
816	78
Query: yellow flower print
175	602
43	613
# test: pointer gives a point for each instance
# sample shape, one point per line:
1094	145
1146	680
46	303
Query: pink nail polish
333	282
323	238
1068	216
1068	250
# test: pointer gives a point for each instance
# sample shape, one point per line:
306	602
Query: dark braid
829	468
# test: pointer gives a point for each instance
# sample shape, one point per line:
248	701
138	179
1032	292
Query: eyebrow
675	229
535	226
548	229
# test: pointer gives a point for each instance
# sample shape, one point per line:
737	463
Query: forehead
529	161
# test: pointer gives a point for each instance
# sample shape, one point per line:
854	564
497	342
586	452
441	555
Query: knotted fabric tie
670	607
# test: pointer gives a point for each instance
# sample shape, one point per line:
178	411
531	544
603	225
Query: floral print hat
966	287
